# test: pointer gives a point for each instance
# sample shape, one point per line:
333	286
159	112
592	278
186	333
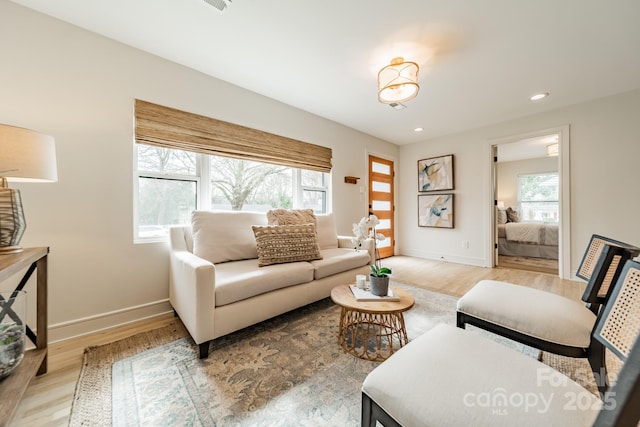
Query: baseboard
99	322
478	262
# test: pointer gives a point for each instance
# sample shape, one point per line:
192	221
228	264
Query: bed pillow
512	215
279	244
502	216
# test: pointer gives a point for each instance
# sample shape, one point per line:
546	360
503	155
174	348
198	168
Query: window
538	197
172	183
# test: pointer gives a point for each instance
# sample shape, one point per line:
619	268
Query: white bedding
530	232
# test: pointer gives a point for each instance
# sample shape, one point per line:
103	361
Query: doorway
381	196
530	209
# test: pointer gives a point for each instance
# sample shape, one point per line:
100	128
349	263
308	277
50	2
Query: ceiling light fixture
539	96
552	150
418	129
398	82
221	5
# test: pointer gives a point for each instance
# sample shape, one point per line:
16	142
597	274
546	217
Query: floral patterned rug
286	371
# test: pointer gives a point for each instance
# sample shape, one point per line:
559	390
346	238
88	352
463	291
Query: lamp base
10	250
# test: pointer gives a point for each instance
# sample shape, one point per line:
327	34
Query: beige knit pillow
288	217
278	244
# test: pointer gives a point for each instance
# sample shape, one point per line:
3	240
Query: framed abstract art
435	210
435	173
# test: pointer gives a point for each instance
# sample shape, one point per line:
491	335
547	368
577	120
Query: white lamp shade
398	82
27	156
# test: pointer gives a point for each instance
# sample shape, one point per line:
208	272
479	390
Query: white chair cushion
327	231
338	260
537	313
452	377
240	280
225	236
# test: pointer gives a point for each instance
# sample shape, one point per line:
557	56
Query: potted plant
379	276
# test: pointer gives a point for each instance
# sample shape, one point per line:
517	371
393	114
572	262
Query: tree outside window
173	183
538	197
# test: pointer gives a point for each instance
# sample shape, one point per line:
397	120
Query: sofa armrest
192	293
367	245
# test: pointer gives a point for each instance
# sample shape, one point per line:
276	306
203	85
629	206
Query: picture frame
435	173
435	210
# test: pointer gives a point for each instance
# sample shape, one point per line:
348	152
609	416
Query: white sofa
216	286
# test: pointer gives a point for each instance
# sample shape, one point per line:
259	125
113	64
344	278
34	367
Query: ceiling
480	61
524	149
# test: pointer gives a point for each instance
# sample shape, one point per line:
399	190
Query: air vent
221	5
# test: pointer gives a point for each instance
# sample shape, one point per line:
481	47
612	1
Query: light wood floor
48	399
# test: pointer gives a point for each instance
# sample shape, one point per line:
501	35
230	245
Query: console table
34	362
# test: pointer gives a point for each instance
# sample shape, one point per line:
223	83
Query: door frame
564	229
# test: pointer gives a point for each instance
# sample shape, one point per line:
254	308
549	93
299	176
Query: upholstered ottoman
541	315
452	377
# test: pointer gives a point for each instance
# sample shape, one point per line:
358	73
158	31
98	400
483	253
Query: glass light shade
398	82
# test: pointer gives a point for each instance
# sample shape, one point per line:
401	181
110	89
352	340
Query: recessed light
418	129
539	96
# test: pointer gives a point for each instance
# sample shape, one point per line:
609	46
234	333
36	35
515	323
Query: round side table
371	330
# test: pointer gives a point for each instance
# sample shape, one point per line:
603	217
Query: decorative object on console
435	210
12	330
398	82
435	173
27	156
379	276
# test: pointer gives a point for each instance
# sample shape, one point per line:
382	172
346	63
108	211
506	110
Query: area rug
286	371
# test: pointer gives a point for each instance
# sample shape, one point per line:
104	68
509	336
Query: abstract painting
435	210
435	173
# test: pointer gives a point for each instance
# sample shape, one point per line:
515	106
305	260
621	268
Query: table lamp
25	156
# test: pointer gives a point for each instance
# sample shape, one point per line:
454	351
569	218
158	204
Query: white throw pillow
327	231
225	236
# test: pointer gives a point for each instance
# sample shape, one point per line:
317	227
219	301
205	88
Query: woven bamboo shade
170	128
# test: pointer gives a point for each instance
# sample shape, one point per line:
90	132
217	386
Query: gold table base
371	336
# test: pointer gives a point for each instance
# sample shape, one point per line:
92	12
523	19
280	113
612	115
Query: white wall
508	172
79	87
604	152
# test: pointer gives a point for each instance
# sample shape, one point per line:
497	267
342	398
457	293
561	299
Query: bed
528	239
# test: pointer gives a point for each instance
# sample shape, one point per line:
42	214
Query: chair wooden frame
620	407
601	266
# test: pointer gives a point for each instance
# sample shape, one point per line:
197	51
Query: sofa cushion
338	260
290	217
240	280
279	244
225	236
327	232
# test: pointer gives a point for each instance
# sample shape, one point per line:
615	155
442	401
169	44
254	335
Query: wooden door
381	201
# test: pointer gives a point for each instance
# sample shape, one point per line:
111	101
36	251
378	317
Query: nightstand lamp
25	156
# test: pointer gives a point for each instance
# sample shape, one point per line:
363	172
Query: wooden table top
343	296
